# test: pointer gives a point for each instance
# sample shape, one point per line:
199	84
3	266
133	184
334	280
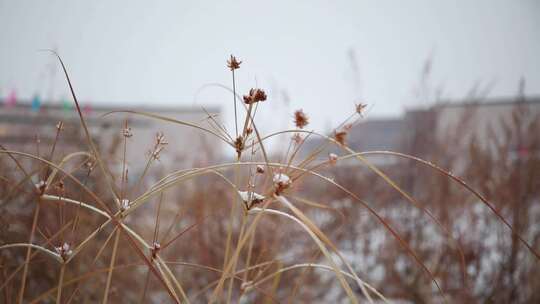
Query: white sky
126	52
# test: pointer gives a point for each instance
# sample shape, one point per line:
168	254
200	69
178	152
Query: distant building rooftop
418	128
23	122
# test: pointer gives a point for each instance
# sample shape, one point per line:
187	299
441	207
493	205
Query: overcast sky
323	55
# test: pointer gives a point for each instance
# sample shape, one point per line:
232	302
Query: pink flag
87	109
11	100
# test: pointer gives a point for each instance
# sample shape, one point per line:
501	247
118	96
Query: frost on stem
250	198
126	132
124	204
332	158
246	286
281	182
41	186
155	249
89	165
64	251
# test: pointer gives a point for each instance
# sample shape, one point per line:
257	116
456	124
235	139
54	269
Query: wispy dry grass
98	235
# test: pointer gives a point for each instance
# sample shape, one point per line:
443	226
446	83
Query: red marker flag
11	100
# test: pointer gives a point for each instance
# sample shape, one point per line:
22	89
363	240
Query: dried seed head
155	249
160	139
281	182
64	251
233	63
255	95
239	144
124	204
360	108
340	136
260	169
249	130
332	158
160	144
155	154
250	198
60	187
89	165
246	286
126	132
41	186
300	119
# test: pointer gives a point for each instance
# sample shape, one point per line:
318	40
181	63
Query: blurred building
453	124
25	127
419	130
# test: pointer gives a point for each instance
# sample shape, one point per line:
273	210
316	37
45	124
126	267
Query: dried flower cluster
126	132
300	119
64	251
124	204
250	199
332	158
159	145
156	246
255	95
60	187
89	165
341	136
233	63
281	182
239	144
41	186
360	108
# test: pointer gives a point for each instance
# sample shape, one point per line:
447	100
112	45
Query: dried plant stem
173	277
317	266
40	249
250	250
235	255
172	120
29	251
32	246
145	288
60	283
111	267
232	214
313	228
466	186
322	247
231	281
234	102
104	170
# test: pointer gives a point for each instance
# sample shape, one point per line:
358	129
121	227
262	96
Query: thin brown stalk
60	284
111	267
29	251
